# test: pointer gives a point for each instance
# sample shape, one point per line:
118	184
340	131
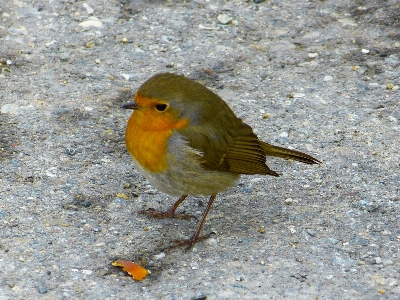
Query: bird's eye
161	107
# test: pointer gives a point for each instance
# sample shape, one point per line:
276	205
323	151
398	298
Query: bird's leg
196	236
170	213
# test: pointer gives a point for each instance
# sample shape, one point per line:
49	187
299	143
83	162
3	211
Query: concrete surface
319	76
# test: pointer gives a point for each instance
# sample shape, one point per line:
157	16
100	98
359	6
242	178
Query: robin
185	140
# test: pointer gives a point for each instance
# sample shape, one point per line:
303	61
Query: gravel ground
319	76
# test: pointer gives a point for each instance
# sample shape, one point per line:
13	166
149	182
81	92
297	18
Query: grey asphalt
318	76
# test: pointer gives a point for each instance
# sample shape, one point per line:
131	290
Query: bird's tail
271	150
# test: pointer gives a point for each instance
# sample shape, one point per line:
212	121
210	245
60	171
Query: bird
186	140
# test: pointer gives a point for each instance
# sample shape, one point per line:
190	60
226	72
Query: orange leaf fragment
133	269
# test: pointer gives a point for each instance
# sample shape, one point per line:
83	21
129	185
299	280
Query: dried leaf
133	269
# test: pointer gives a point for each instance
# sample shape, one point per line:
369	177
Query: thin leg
172	209
196	236
197	233
170	213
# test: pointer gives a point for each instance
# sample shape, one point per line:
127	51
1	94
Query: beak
130	105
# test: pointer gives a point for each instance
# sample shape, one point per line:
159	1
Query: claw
188	243
164	214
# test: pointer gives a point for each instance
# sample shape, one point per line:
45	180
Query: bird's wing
245	155
234	149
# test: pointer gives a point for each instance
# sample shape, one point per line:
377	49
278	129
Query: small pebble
42	290
90	44
212	242
64	57
9	108
387	262
312	55
97	61
9	62
224	19
289	201
298	95
124	40
365	51
126	76
376	260
328	78
91	22
239	278
70	151
284	134
89	10
159	256
345	262
371	207
86	203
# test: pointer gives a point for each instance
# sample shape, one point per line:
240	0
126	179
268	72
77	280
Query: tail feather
271	150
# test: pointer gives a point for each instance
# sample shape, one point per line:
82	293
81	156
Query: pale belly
185	176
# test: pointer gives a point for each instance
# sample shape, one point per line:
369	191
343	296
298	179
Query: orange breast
147	137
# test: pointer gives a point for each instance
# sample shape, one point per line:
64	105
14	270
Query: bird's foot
188	243
151	212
